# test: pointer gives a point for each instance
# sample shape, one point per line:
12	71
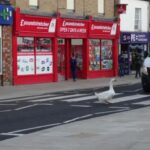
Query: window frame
34	4
104	45
70	5
101	7
137	19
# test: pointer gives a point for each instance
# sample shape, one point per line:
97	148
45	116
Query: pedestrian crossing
78	97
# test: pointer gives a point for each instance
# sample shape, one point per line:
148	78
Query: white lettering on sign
79	24
33	23
71	30
94	27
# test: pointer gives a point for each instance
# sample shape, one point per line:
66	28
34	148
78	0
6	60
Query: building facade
46	32
134	27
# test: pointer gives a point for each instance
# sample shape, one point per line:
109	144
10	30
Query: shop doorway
61	60
77	49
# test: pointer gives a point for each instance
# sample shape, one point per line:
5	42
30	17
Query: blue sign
6	14
134	37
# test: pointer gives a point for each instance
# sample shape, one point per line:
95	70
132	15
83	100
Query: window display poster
106	64
25	65
44	64
106	57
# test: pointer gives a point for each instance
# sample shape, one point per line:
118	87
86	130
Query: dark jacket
73	63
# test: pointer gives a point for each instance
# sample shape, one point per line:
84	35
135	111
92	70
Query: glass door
61	60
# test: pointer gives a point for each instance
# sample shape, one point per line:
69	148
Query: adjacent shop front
103	49
132	44
33	49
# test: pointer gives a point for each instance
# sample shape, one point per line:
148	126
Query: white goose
103	97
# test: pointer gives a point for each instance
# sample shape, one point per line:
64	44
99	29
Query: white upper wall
127	19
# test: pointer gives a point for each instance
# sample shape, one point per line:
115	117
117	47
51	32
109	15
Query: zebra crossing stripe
131	97
23	98
58	97
143	103
83	98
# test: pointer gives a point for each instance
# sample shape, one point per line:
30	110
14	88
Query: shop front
42	48
33	49
133	44
103	49
72	36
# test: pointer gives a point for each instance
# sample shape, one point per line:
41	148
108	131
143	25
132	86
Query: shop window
43	44
43	56
70	5
1	50
100	54
106	52
25	55
25	44
94	54
34	56
101	7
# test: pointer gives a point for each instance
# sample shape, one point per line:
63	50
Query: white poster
52	26
44	64
114	29
25	65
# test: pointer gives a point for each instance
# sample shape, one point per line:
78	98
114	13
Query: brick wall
82	7
7	55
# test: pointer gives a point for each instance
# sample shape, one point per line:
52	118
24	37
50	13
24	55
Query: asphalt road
23	115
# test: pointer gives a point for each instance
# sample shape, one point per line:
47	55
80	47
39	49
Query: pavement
129	130
37	89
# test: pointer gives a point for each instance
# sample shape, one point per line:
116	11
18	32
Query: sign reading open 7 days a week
6	14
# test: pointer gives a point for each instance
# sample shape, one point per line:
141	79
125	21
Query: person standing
73	65
121	65
138	63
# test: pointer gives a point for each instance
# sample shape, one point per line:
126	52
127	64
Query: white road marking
21	108
80	99
5	110
34	128
46	104
131	97
11	134
74	119
143	102
83	98
24	98
7	104
81	106
57	98
119	107
131	91
111	111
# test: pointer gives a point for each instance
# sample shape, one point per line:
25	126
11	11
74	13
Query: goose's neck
111	86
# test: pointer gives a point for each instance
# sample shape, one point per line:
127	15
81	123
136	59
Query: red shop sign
37	24
72	28
103	28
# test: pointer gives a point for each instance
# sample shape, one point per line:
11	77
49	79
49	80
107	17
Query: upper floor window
137	23
33	3
70	5
101	6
